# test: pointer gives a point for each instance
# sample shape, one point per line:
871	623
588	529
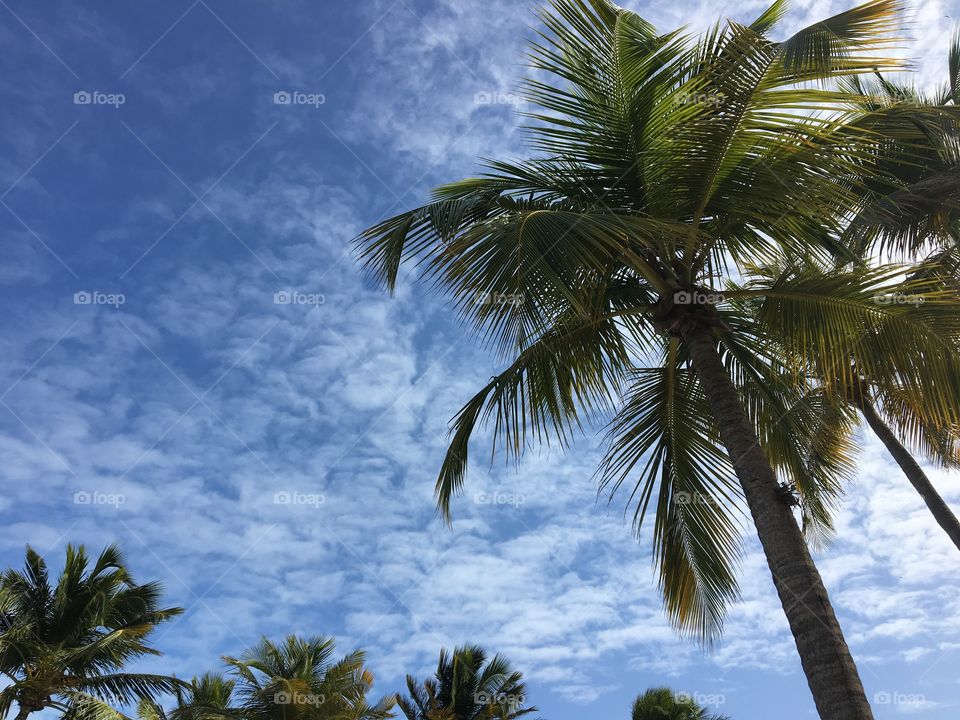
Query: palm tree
300	679
467	686
667	166
208	697
898	411
663	704
917	216
64	646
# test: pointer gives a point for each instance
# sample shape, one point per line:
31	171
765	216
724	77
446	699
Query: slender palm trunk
915	474
24	711
827	663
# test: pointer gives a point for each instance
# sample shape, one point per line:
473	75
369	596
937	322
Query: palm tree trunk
915	474
24	711
827	663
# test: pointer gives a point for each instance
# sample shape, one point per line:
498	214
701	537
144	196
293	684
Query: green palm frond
913	204
936	440
81	706
128	688
665	425
150	710
923	415
7	697
570	371
840	327
845	44
953	66
770	18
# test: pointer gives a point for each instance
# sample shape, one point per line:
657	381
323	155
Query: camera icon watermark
710	99
94	497
295	97
285	697
499	498
287	497
683	497
294	297
908	701
492	298
96	97
700	698
509	701
95	297
899	299
497	98
697	297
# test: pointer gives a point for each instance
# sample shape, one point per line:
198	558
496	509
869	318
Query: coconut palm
64	646
919	216
467	686
667	166
663	704
300	679
207	697
898	411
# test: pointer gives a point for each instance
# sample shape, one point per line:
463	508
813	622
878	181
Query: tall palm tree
663	704
467	686
207	697
299	679
666	166
64	646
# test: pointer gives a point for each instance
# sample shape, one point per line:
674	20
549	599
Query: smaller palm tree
467	687
64	646
208	697
299	680
918	218
663	704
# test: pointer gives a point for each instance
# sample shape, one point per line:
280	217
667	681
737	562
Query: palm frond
665	424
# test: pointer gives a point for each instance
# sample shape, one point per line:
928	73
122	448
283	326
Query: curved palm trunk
831	673
25	710
915	474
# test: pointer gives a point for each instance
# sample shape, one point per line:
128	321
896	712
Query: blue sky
157	394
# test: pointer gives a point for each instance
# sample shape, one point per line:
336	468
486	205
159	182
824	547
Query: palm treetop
669	166
300	677
661	703
467	685
206	697
64	645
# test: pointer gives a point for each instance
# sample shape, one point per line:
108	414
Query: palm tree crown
663	704
467	686
207	697
299	678
64	646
